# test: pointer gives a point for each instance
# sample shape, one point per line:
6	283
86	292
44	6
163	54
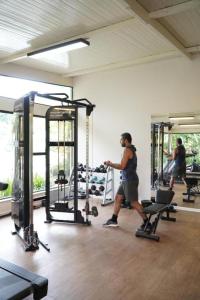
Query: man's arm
121	166
174	154
168	155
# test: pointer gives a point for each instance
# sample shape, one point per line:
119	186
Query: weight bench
162	204
17	283
193	188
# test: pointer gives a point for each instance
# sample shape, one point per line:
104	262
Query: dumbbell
93	187
101	188
90	192
93	179
97	193
82	180
102	169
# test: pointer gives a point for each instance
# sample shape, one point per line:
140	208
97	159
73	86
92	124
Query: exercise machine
62	203
162	205
17	283
22	203
158	174
193	186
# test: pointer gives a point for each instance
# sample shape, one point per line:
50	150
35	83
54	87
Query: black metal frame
75	105
158	129
27	162
22	203
22	209
78	218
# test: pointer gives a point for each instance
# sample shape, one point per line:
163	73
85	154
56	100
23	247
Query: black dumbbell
101	188
93	187
97	193
82	180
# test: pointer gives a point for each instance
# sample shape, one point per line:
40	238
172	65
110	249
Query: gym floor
92	262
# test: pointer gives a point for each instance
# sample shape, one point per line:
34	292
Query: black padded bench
17	283
193	186
162	204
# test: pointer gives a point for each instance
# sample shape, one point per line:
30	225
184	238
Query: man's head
179	141
125	139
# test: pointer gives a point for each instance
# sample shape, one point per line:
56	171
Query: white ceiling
121	32
194	124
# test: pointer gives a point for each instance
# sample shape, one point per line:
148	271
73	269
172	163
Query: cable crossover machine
62	141
61	137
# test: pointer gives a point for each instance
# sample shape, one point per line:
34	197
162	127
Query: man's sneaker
111	223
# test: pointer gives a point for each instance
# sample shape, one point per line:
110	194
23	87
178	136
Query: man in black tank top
128	188
179	170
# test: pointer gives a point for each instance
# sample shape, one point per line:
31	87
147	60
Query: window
6	152
20	87
38	134
39	162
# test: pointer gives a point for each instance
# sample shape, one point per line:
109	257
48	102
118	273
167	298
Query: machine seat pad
155	208
37	283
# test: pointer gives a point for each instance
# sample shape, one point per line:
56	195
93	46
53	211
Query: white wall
125	100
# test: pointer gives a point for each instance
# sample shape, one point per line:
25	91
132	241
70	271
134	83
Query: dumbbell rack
107	196
95	182
109	188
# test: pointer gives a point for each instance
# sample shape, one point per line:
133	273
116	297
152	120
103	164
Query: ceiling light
189	125
60	48
182	118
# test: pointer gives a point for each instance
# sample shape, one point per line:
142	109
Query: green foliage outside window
38	183
191	141
8	192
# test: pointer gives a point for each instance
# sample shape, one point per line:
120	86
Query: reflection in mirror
175	157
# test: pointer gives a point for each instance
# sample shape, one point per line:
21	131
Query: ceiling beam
14	57
144	15
175	9
124	64
194	49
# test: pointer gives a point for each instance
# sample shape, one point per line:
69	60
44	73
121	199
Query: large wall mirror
165	130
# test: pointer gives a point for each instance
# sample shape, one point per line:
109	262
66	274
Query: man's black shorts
129	190
179	171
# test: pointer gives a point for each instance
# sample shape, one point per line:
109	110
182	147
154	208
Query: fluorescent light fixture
60	48
182	118
190	125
